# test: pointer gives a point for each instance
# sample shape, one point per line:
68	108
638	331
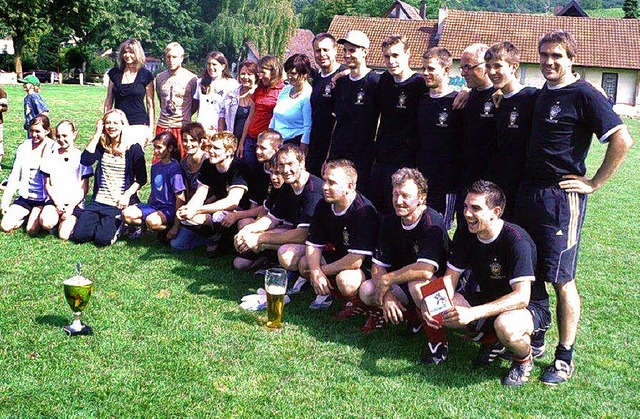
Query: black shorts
553	218
29	204
539	310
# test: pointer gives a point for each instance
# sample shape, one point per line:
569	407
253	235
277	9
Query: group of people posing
352	182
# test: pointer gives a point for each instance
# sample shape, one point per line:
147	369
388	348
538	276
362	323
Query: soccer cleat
557	373
412	329
212	242
374	321
135	232
518	373
321	302
297	286
437	354
538	351
349	310
487	354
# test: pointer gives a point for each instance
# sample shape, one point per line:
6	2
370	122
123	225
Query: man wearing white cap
356	108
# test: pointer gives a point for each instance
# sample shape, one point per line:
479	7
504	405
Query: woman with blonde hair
214	85
131	90
119	174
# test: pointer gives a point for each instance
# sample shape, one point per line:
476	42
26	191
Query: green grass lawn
171	341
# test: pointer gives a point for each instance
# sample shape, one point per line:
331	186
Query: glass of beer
275	283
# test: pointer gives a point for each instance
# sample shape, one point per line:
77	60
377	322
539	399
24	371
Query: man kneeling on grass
293	206
512	305
341	238
411	251
221	177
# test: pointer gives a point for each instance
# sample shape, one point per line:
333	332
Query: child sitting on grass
66	182
27	179
167	189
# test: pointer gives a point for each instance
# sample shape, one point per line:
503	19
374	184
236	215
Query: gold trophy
77	291
275	283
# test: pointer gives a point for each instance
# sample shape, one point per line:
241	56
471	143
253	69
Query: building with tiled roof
608	49
402	10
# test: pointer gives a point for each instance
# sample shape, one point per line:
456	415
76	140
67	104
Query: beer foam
276	290
77	281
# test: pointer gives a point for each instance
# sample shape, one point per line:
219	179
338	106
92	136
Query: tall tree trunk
18	43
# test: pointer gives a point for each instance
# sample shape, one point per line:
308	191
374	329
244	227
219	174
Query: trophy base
82	331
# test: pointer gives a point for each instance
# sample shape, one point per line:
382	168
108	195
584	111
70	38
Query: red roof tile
602	42
419	32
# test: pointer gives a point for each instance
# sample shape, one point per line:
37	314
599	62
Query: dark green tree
266	23
630	8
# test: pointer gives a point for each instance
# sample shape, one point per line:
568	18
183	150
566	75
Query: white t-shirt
212	104
66	172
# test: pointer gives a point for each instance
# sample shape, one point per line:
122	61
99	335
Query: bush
99	65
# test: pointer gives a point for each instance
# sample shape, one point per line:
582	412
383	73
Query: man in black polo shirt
479	130
552	199
258	180
356	108
513	118
440	132
341	238
397	141
222	177
411	250
511	303
322	117
294	206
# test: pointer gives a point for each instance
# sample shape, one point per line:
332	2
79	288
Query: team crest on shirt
360	98
486	109
496	270
416	249
513	119
345	237
327	90
442	118
269	189
401	101
553	112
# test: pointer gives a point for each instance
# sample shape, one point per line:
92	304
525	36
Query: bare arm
108	102
151	107
229	202
619	144
347	262
515	300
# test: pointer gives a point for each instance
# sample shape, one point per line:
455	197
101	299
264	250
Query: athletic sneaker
487	354
437	354
538	351
135	232
212	242
374	321
321	302
4	184
557	373
412	329
297	286
518	373
349	310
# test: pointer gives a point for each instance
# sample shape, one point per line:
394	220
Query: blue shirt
292	116
33	106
